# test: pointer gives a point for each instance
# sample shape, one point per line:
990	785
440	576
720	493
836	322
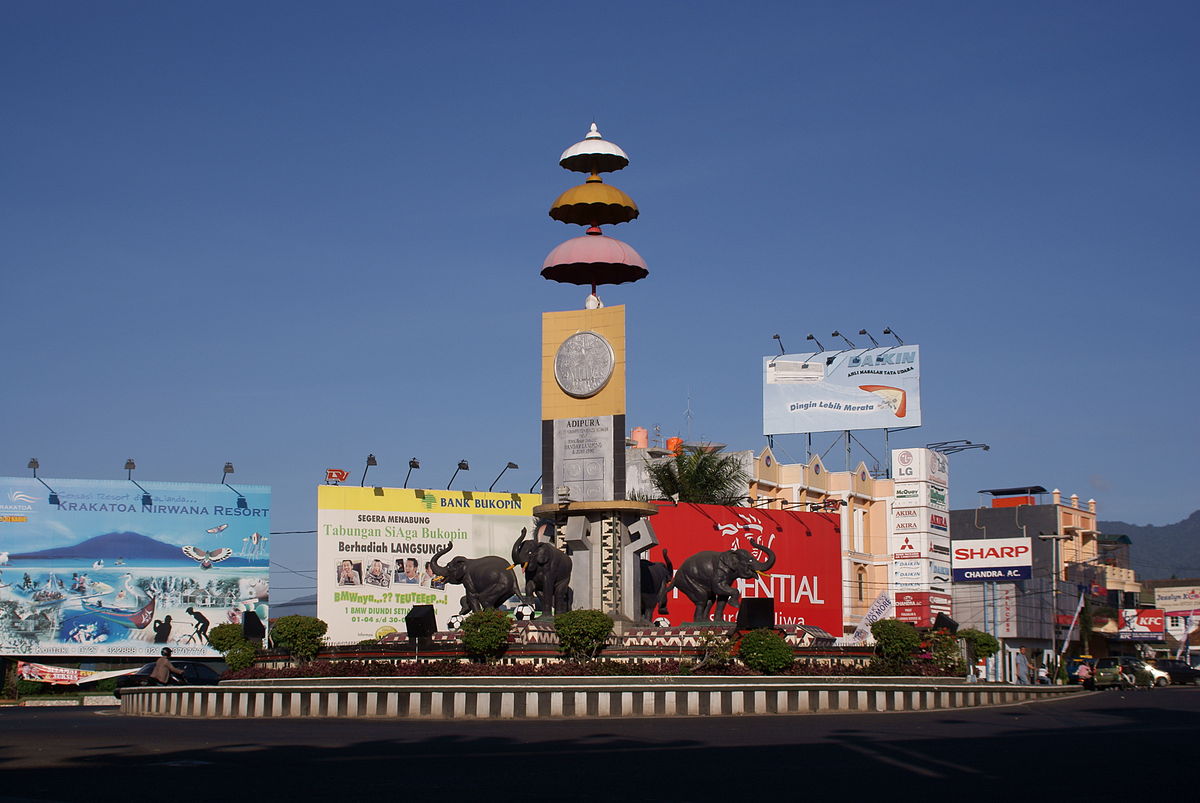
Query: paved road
1089	746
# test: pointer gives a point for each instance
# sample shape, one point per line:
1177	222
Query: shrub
980	644
25	688
765	651
485	634
941	649
716	651
895	642
223	638
241	655
582	634
300	636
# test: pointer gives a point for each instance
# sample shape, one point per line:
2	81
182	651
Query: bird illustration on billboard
220	528
206	559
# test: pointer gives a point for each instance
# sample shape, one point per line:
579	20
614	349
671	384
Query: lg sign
992	559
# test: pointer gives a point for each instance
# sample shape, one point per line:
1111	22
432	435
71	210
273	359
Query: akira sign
992	560
806	580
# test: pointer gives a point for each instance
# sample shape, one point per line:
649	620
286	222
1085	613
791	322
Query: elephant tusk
510	567
764	574
439	578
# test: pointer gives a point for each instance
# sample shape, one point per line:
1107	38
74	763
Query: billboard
102	574
920	608
906	546
375	548
1178	600
920	465
991	560
874	388
920	494
1143	624
806	580
920	573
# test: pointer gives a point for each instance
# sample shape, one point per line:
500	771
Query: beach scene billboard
110	568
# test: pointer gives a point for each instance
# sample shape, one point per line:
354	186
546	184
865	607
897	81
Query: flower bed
562	668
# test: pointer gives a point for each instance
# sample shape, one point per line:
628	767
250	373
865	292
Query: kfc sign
1148	624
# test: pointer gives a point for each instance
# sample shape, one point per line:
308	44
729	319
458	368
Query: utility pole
1054	538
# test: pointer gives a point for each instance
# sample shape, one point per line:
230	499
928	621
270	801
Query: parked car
1179	671
195	673
1107	674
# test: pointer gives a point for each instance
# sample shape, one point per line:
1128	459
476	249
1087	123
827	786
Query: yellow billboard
378	550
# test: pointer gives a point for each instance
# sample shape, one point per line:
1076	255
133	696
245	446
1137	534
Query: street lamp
371	461
511	464
414	463
241	500
954	447
1054	539
129	467
33	466
462	466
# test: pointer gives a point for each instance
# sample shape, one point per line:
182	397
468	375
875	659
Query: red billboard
806	580
1145	624
920	608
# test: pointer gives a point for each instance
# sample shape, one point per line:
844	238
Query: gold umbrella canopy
594	203
593	154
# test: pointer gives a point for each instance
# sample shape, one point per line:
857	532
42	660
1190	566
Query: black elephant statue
706	578
547	573
656	582
488	581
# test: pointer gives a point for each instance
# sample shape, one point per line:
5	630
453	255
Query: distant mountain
1159	553
131	546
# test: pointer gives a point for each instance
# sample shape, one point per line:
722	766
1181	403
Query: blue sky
290	234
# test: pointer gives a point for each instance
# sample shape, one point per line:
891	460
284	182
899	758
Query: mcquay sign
984	560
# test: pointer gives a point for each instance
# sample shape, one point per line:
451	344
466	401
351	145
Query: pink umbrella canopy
594	259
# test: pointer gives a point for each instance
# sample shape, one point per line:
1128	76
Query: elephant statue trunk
547	572
707	578
438	569
488	581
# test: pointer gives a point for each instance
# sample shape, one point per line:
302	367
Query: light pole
1054	538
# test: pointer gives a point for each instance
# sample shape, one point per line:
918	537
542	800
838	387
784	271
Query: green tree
980	644
301	636
700	474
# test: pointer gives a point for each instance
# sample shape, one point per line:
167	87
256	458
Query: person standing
163	668
1021	664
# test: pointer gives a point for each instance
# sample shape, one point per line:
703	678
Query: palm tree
700	474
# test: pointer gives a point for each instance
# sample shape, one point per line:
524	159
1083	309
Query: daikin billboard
826	391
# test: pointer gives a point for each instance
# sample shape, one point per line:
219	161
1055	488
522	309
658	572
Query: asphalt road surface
1089	747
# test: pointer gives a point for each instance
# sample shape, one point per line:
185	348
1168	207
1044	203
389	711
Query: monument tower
583	392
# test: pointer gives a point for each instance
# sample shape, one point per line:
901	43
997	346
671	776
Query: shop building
1072	561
